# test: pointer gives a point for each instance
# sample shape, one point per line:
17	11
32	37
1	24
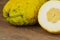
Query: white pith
42	17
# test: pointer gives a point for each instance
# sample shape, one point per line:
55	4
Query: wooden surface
9	32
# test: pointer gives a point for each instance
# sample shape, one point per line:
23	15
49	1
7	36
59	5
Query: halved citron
49	16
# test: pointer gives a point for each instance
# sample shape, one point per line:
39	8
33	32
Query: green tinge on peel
22	12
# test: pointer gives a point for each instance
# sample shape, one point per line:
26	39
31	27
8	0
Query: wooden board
9	32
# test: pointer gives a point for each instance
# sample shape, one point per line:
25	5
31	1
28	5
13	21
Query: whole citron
22	12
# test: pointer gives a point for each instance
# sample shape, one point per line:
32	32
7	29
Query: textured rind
53	0
22	12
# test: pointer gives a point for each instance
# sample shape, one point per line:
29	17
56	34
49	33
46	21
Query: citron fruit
54	0
22	12
49	17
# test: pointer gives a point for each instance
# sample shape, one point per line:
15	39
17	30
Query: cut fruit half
49	16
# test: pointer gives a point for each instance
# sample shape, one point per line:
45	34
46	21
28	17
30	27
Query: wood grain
10	32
